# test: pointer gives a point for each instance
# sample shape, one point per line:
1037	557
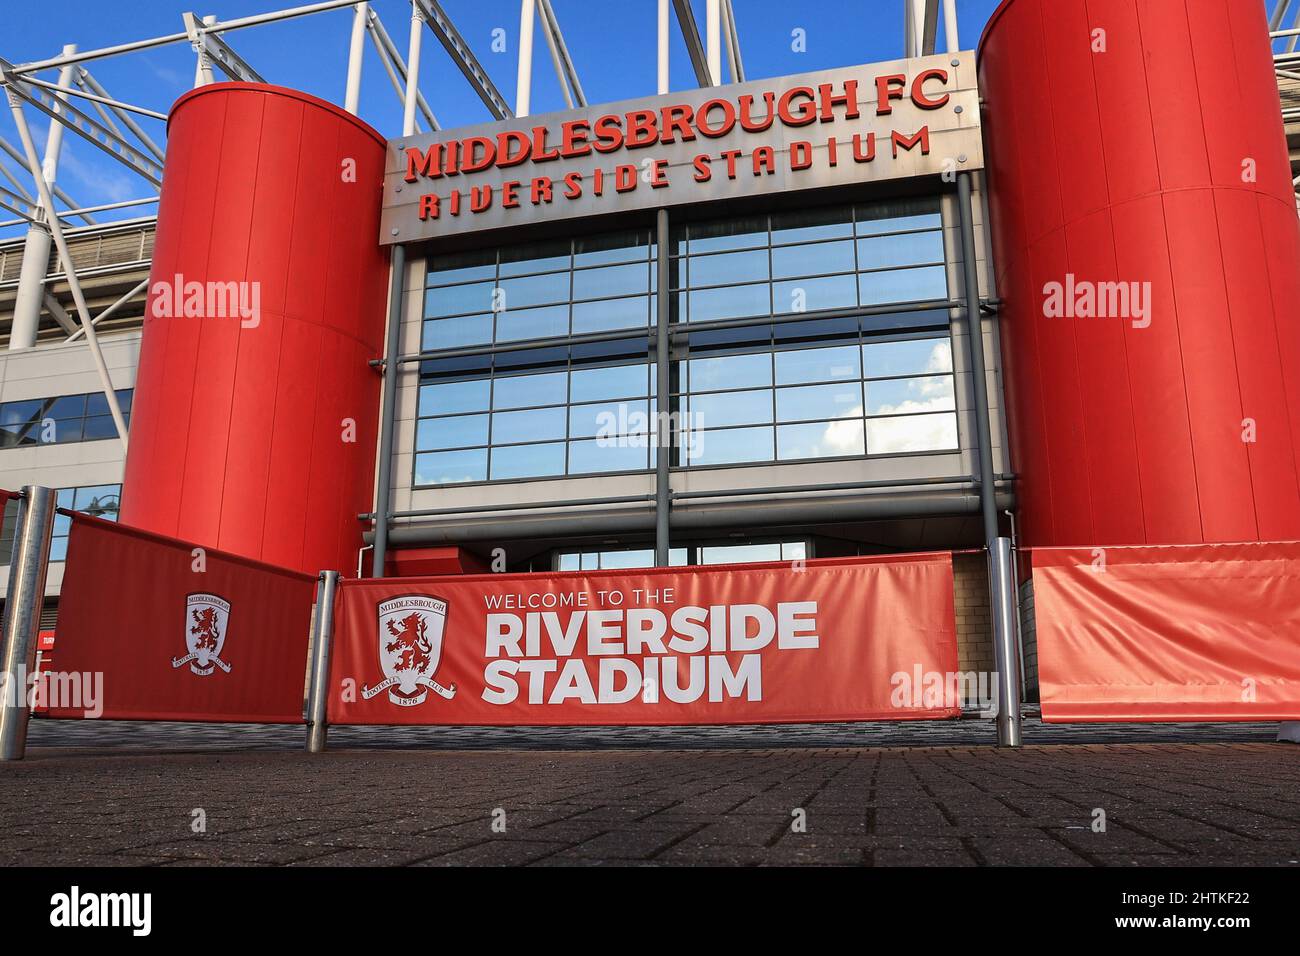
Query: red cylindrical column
1140	141
255	433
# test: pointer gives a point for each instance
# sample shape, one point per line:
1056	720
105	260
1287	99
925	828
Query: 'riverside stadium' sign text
821	640
890	120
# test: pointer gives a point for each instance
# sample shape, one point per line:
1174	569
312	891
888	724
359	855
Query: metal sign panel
836	127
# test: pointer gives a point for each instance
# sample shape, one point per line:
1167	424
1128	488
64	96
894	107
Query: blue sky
612	43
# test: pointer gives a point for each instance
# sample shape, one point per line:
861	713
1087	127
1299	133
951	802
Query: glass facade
60	420
102	501
619	558
870	375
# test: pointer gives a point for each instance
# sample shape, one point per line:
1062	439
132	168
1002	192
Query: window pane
728	234
612	247
905	285
916	433
609	418
615	560
448	467
739	553
67	406
910	249
813	295
904	396
728	269
457	299
818	259
732	302
441	398
539	423
728	445
730	371
611	314
819	401
907	358
528	461
611	280
879	218
456	333
817	365
730	408
820	440
462	267
96	499
546	322
615	381
812	224
534	257
67	430
534	290
594	455
14	415
520	391
461	431
98	427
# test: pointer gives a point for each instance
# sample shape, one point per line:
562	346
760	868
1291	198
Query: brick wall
974	623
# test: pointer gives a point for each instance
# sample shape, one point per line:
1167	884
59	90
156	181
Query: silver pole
322	633
32	274
524	77
950	25
412	92
388	411
357	47
663	396
22	617
1001	576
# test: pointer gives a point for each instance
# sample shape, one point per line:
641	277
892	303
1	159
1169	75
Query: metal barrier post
322	633
1006	654
22	617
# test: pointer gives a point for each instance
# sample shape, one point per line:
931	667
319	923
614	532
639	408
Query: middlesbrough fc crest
206	619
410	644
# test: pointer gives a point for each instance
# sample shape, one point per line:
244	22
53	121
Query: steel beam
217	51
733	43
405	78
85	78
80	123
691	35
564	68
70	272
356	48
464	58
21	160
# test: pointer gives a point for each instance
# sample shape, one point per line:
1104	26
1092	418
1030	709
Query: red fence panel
767	643
225	643
1181	632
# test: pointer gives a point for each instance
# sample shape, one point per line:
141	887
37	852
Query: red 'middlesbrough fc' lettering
642	128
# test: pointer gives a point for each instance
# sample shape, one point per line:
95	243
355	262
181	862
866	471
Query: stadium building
716	325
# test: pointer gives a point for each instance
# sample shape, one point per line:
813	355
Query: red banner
853	639
180	633
1182	632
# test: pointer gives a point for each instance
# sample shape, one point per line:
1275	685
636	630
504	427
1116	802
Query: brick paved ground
1212	794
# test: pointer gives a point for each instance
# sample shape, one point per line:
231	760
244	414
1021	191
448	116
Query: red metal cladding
255	432
1135	148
